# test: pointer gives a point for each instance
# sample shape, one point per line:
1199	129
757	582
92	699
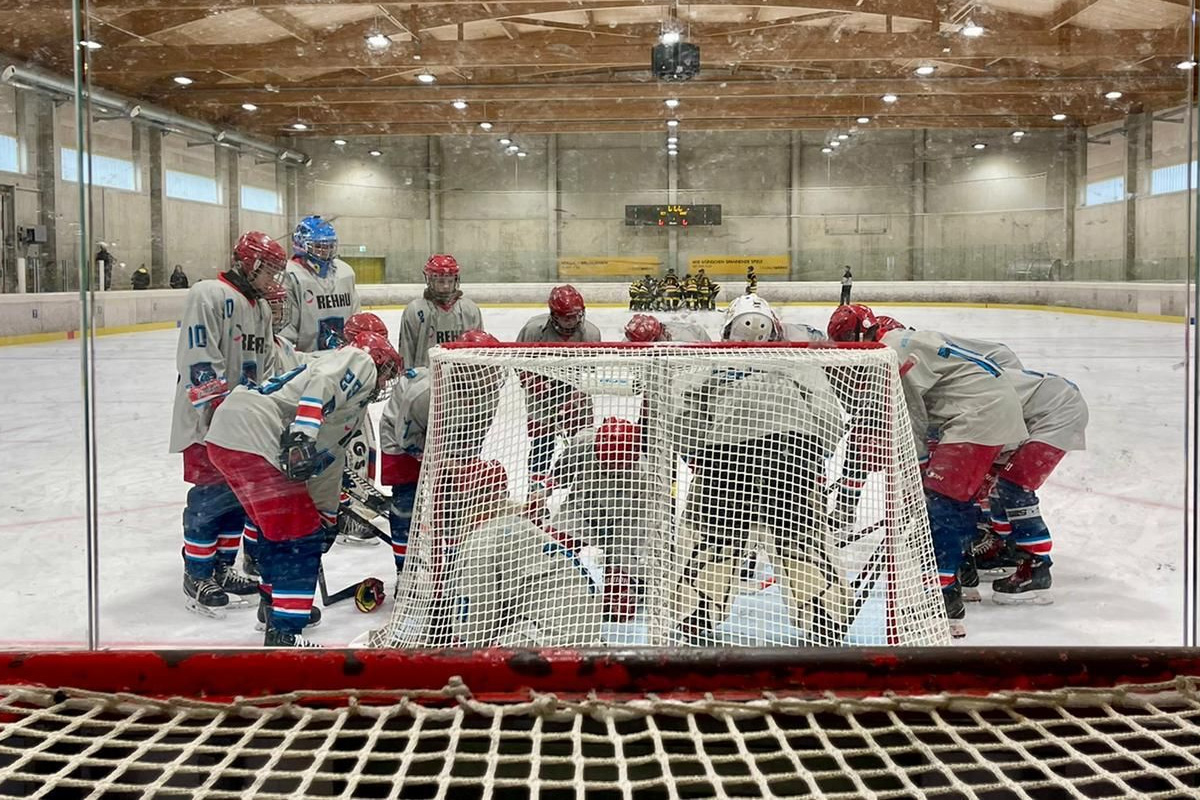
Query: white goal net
669	495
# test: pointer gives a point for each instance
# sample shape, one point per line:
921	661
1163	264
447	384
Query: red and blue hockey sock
404	497
290	569
1023	512
212	511
250	539
950	523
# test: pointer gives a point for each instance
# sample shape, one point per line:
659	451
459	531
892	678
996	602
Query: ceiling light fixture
843	136
1113	95
672	139
1018	134
378	41
90	45
972	30
1058	117
521	154
249	107
672	123
669	37
459	104
672	152
339	142
863	120
506	140
826	150
426	77
299	126
671	102
926	70
1187	64
375	153
512	148
183	80
889	98
835	143
979	146
487	126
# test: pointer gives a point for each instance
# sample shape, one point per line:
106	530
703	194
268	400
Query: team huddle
278	366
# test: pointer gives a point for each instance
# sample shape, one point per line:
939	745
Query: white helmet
750	319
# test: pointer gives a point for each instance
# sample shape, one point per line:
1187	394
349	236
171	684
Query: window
1174	178
255	198
1106	191
10	154
114	173
189	186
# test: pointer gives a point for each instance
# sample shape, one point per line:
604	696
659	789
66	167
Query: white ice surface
1116	510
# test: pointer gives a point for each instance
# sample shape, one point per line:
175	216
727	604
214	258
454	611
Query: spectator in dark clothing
141	278
847	281
178	278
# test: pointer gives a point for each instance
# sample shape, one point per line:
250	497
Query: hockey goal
670	495
771	723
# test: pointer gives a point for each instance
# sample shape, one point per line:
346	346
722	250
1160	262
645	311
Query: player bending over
441	315
281	447
647	328
321	289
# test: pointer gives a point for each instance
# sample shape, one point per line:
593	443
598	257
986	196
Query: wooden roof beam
1069	10
289	23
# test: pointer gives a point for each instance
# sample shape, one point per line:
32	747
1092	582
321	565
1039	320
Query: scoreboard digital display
673	216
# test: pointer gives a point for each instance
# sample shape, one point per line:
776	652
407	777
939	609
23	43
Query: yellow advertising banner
735	266
608	267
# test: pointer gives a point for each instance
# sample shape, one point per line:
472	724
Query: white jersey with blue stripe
319	303
1054	409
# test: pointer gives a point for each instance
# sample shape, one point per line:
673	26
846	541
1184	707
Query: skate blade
355	541
958	628
262	626
204	611
240	602
996	572
970	594
1039	597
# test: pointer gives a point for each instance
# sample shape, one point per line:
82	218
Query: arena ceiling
540	66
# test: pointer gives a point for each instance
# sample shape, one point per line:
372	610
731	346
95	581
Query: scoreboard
672	216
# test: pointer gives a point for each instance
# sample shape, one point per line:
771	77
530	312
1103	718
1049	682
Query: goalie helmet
388	364
566	309
644	328
441	277
618	442
315	240
363	322
751	319
853	323
259	260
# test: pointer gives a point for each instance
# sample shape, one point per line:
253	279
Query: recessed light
426	77
671	102
249	107
375	153
972	30
671	146
521	154
1188	64
459	104
1113	95
672	123
826	149
339	142
1058	117
669	37
1018	134
91	45
377	41
299	126
835	143
672	152
487	126
843	136
183	80
979	146
672	139
926	70
889	98
416	56
863	120
512	148
506	140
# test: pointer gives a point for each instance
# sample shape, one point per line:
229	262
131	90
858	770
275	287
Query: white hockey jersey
685	332
514	585
793	332
406	415
539	329
325	400
318	306
956	390
222	334
426	324
1002	354
1054	409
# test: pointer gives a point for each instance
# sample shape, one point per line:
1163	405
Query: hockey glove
298	457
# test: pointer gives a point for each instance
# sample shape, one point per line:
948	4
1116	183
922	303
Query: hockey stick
368	593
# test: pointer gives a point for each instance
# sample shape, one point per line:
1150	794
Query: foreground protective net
679	495
786	741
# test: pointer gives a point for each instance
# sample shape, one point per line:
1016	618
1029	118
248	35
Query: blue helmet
316	240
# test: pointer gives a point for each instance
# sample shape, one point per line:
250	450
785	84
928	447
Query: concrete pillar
673	198
433	172
291	196
158	241
1074	151
1137	127
47	278
233	187
553	215
916	217
795	173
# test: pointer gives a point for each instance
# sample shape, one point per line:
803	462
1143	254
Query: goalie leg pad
817	598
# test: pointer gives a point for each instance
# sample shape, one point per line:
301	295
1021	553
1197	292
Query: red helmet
484	480
618	442
889	324
478	337
388	363
644	328
566	309
853	323
363	322
444	265
255	250
277	299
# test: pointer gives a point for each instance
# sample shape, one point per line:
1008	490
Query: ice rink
1116	510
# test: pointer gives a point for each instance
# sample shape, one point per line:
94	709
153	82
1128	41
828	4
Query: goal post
679	495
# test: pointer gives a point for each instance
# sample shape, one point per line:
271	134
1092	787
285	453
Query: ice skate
205	597
968	579
275	638
995	555
356	533
956	612
236	586
1029	585
250	565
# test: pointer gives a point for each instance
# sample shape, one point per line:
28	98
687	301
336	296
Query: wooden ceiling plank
141	25
1069	10
289	23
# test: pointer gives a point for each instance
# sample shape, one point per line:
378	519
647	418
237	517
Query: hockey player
749	318
513	584
751	280
706	291
321	289
690	290
639	295
225	339
645	328
402	430
669	291
976	412
441	316
280	446
548	397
